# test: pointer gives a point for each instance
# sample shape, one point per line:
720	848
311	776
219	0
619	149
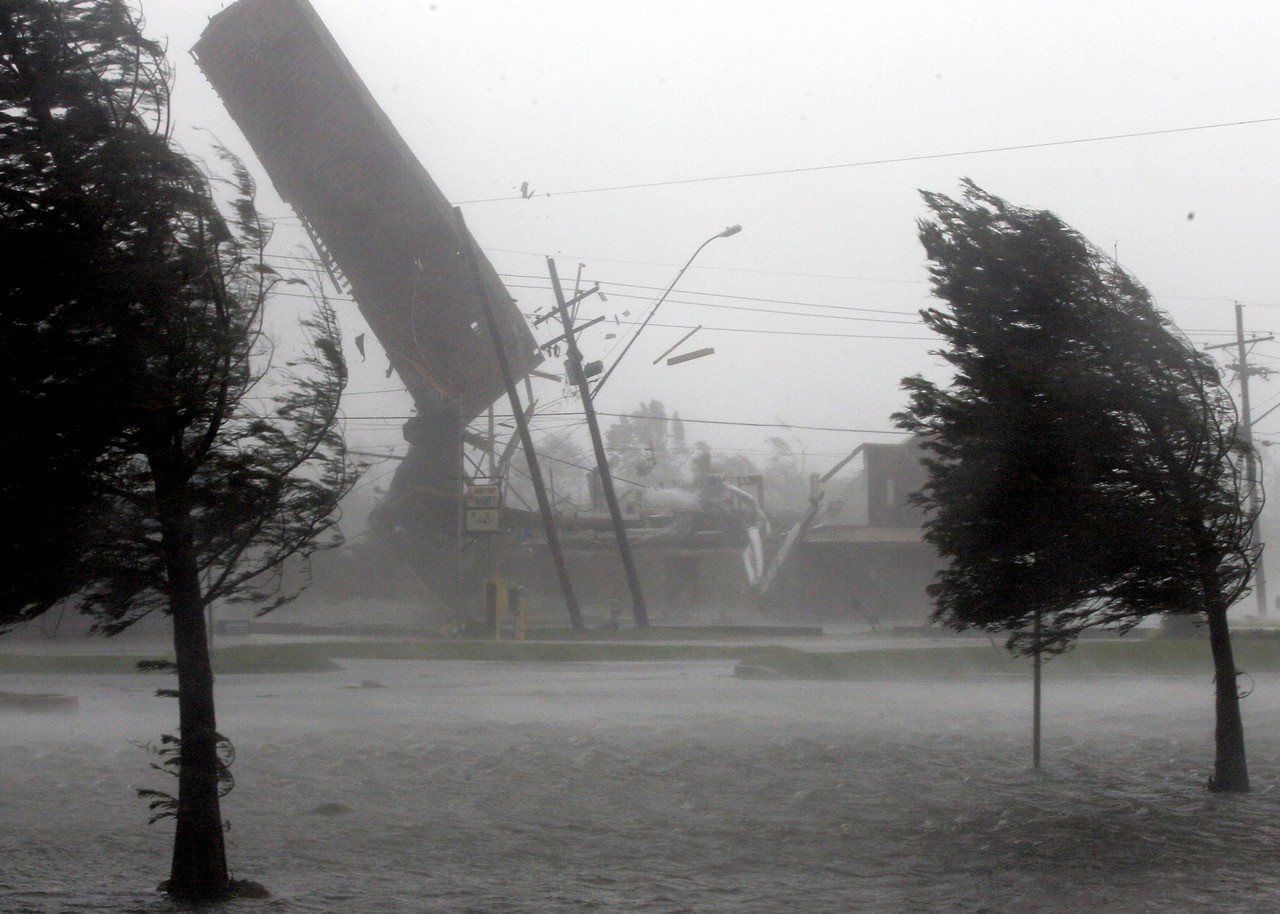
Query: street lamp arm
731	230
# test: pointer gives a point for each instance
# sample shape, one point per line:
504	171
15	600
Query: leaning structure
383	228
389	237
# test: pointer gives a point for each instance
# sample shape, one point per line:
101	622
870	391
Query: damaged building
389	237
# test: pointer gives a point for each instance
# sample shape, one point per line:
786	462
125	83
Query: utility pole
578	377
522	426
1251	462
1251	468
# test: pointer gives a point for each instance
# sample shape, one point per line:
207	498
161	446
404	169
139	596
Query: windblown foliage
72	120
178	468
1086	466
1085	462
132	315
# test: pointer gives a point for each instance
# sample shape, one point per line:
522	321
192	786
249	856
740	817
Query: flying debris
678	342
690	356
360	346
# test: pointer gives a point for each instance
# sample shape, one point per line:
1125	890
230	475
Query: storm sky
642	129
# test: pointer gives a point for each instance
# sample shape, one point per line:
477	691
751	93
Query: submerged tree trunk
199	869
1230	772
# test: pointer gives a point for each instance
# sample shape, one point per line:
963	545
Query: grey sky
574	96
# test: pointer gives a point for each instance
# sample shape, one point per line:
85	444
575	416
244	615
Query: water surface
657	787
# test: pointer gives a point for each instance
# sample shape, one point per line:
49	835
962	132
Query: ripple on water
758	817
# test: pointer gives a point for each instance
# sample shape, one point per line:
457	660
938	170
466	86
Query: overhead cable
887	161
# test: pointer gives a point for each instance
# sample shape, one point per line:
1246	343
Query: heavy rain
659	786
787	458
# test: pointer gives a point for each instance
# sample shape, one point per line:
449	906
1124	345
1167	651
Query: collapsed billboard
376	216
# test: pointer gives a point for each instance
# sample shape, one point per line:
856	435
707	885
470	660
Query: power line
683	301
778	311
368	482
611	285
366	393
804	333
695	267
804	275
639	450
790	425
803	428
889	161
913	282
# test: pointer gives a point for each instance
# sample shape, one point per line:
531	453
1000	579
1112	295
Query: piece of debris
367	684
690	356
38	702
755	671
329	809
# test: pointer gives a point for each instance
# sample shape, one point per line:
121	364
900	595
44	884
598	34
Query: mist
400	785
616	139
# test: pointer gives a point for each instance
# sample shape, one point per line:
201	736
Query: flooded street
664	787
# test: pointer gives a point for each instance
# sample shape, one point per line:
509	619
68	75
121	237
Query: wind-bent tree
187	469
1086	465
647	442
59	135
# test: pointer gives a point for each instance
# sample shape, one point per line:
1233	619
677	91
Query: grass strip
246	658
1154	657
1119	657
69	663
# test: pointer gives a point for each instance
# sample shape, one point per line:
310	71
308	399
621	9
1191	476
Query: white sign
484	520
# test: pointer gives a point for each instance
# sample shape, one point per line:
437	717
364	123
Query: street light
731	230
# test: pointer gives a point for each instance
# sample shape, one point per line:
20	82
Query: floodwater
655	787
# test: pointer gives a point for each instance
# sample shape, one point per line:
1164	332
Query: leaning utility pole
1251	468
1251	463
579	378
522	425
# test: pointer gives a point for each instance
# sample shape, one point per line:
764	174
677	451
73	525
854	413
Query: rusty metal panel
335	157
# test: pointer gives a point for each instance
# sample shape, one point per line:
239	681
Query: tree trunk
199	869
1230	773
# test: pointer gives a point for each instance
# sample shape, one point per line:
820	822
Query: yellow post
495	594
515	599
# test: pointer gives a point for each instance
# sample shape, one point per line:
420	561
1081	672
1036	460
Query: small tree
785	480
196	471
565	470
649	443
1086	466
706	462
